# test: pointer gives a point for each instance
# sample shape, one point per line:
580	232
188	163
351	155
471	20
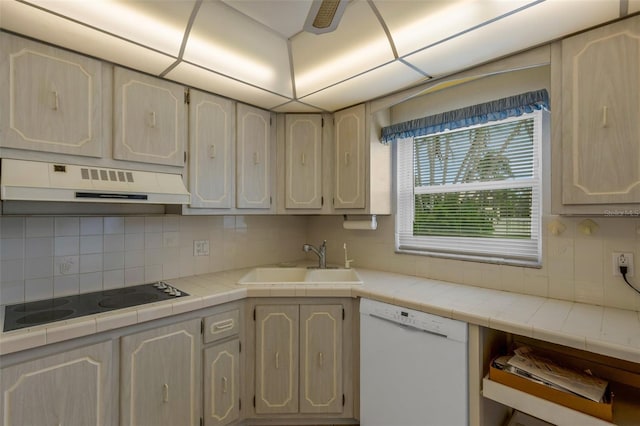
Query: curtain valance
513	106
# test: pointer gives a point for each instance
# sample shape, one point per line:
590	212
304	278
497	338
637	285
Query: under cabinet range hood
22	180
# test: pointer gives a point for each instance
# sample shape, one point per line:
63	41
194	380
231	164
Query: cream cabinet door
51	99
222	383
149	117
349	184
600	113
160	376
303	161
71	388
254	153
211	151
276	359
321	358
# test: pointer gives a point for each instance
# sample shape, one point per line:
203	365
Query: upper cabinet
51	99
211	151
595	116
255	152
303	161
149	119
349	160
362	165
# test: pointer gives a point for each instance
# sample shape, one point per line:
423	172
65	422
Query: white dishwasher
413	367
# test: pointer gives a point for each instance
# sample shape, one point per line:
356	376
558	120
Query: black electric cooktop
30	314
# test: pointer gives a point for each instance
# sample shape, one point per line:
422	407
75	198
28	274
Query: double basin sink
304	276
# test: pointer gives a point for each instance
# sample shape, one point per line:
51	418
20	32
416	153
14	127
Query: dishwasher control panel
434	324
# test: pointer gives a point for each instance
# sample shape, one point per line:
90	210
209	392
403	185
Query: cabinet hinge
201	421
185	156
187	97
270	200
344	400
270	121
322	122
240	404
254	314
201	326
254	401
322	201
343	314
239	346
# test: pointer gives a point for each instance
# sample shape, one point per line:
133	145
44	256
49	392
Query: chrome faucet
321	252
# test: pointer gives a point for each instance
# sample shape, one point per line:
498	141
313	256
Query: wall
43	257
575	266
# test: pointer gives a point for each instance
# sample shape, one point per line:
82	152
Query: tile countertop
608	331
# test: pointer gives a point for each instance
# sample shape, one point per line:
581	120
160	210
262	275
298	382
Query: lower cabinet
71	388
160	376
302	351
222	368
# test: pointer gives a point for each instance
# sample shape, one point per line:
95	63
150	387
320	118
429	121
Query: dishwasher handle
409	326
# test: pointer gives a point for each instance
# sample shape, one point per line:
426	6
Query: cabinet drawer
221	325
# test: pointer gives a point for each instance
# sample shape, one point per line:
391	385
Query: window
472	193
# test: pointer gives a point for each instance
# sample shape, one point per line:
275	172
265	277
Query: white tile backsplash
91	226
576	267
12	227
67	226
113	225
39	227
64	246
43	257
39	247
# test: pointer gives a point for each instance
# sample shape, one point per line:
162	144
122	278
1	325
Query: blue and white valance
513	106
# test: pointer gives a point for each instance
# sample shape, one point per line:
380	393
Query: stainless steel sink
303	276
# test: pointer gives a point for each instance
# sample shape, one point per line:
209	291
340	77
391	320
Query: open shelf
625	412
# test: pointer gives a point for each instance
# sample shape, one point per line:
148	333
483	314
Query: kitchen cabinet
277	359
362	169
51	99
303	359
303	161
149	118
596	154
222	368
70	388
255	155
211	151
160	376
349	160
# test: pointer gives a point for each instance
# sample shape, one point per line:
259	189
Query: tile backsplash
575	266
46	256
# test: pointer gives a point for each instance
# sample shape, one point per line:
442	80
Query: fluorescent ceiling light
159	25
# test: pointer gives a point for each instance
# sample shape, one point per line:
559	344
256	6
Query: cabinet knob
212	151
224	385
277	360
320	359
605	116
347	158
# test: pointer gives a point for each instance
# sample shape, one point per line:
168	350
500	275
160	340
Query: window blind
472	193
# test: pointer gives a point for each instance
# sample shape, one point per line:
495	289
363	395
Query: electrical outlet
201	247
619	259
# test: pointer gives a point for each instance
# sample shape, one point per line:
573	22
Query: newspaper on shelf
547	371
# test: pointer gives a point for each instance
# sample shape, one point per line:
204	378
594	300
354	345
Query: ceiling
256	51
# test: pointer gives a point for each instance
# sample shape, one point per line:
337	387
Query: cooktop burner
31	314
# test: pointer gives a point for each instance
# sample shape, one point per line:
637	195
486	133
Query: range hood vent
54	182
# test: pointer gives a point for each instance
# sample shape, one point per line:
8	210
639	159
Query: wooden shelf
537	407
